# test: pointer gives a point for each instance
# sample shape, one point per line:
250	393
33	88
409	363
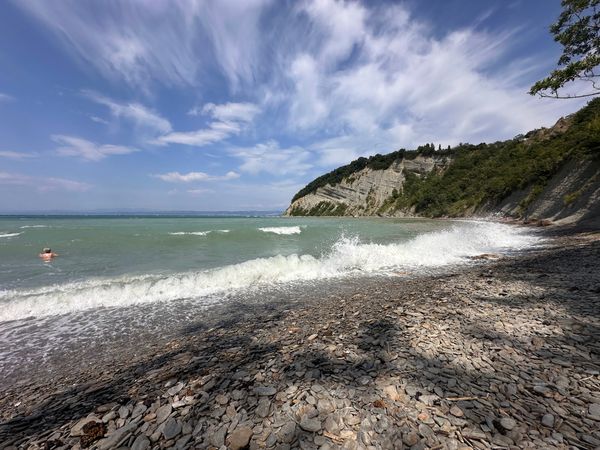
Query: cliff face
364	193
570	196
549	173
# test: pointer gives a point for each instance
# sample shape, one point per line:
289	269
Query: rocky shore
505	354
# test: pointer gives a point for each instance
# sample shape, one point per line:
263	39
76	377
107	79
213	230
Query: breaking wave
282	230
347	257
9	235
35	226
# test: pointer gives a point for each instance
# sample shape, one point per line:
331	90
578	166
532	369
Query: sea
122	275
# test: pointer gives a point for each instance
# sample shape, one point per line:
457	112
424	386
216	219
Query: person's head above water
47	250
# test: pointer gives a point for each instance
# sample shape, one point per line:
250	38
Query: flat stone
172	428
263	408
116	437
240	438
507	423
548	420
139	409
218	437
77	429
410	439
391	392
141	443
123	412
175	389
331	425
456	411
411	391
265	391
287	432
182	441
325	406
312	425
594	409
162	413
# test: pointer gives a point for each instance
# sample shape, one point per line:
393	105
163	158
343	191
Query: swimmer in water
47	254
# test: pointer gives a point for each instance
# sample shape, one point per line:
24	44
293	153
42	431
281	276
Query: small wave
197	233
281	230
35	226
347	257
9	235
194	233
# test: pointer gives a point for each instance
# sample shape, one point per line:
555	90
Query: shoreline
496	355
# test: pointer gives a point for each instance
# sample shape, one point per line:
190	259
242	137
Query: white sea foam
194	233
3	235
347	257
198	233
281	230
35	226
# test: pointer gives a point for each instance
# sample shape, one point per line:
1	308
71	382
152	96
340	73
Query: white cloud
82	148
169	42
135	112
235	112
16	155
229	119
43	184
176	177
378	77
269	157
99	120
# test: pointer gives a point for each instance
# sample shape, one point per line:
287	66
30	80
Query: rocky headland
501	354
548	174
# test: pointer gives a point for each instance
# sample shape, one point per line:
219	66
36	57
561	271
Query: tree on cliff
577	29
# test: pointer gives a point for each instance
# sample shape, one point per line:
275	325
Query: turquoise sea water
126	260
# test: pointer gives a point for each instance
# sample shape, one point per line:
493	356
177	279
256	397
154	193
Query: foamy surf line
197	233
5	235
282	230
347	257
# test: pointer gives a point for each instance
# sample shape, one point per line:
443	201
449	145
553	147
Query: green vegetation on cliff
483	174
488	173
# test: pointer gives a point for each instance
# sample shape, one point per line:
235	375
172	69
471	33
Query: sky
215	105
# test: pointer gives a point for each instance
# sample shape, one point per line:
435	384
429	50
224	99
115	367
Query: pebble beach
501	354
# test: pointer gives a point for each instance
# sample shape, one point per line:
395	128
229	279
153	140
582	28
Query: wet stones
451	362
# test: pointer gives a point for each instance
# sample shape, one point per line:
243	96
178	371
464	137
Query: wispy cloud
17	155
43	184
84	149
176	177
166	42
135	112
200	191
237	112
228	119
270	158
5	97
378	75
98	120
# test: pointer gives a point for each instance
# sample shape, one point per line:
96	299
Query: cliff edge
549	173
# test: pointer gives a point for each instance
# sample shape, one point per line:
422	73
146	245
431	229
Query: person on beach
47	254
